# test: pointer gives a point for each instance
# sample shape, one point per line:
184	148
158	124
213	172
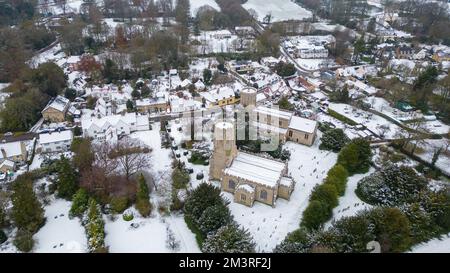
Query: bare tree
62	4
131	157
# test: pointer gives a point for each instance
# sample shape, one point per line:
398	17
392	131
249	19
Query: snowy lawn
150	236
60	234
280	10
350	204
434	246
269	226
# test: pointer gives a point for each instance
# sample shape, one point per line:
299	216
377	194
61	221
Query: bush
337	176
229	239
202	197
316	214
213	218
24	240
95	228
198	159
143	204
325	193
356	156
79	203
180	178
127	216
119	204
391	186
333	140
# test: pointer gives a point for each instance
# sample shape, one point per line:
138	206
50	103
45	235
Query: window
263	195
290	133
306	136
243	197
231	184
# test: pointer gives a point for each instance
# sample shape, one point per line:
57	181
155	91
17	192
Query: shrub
391	186
337	176
342	118
214	217
95	228
180	178
229	239
127	216
325	193
202	197
119	204
79	203
143	204
24	240
333	140
356	156
315	215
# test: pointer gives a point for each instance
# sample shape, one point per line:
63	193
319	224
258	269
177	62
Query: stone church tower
225	149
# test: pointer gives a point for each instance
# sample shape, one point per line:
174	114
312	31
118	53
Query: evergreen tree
79	203
207	76
315	215
143	204
333	140
130	106
229	239
202	197
95	228
214	217
67	179
27	212
356	156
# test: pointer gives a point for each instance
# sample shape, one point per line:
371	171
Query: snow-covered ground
434	246
269	226
51	55
429	147
150	236
280	10
60	234
349	203
315	64
371	121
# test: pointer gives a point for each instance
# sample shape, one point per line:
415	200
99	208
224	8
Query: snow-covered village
224	126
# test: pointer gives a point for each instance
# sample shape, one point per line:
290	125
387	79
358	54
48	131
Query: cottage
302	130
56	109
219	97
156	105
404	52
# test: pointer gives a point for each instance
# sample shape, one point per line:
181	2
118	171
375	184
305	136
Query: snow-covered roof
220	93
246	187
286	181
55	137
273	112
302	124
11	149
59	103
260	170
112	120
7	163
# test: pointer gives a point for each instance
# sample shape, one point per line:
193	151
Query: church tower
225	149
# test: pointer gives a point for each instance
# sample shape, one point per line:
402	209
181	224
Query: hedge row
324	198
341	117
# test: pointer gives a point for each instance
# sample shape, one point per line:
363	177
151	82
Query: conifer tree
214	217
95	228
80	202
143	204
67	179
229	239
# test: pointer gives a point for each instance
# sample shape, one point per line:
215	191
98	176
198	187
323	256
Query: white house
111	127
56	141
313	52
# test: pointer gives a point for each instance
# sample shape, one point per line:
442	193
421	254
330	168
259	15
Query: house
310	87
442	55
273	116
420	55
153	105
244	31
302	130
104	106
219	97
404	52
56	109
312	52
7	166
248	177
241	67
269	61
58	141
112	127
13	151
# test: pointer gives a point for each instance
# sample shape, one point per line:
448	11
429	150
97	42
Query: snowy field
434	246
269	226
60	234
429	147
280	10
196	4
